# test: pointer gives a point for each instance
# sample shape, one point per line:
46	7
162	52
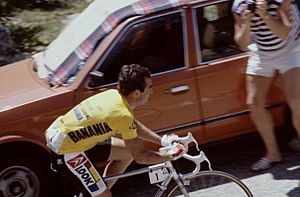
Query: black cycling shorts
78	168
100	152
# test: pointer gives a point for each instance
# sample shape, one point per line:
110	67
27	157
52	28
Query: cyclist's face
144	97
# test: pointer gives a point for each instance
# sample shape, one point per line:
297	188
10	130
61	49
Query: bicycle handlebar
197	159
185	141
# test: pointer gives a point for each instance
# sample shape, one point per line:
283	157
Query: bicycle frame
180	179
165	173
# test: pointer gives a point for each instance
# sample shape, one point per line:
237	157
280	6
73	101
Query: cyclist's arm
147	134
142	155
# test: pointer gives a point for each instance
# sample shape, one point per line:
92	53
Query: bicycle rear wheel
212	183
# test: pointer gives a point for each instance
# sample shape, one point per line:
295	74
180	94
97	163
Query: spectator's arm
242	29
279	26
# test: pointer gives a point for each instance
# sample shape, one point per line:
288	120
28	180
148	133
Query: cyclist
103	128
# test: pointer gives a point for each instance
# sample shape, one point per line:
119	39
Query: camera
251	6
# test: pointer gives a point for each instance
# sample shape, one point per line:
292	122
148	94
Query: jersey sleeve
127	128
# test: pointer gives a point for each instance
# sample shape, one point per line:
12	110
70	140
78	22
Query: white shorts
265	64
54	136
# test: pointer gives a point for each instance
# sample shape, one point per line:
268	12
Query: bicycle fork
178	180
176	177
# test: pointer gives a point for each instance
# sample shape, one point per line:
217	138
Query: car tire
25	175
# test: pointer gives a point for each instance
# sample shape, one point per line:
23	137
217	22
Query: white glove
167	140
176	150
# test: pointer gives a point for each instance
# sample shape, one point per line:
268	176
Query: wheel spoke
214	184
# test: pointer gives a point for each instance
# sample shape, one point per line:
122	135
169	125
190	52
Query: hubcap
19	181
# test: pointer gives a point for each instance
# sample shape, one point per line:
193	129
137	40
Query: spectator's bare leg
292	91
257	89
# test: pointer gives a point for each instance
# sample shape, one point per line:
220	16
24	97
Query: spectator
270	31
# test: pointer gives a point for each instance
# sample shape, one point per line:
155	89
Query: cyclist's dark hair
131	78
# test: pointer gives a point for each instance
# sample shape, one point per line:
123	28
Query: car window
156	43
216	31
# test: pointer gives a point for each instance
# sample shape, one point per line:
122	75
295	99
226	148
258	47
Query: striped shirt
260	32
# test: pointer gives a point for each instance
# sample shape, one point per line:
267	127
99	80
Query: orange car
198	80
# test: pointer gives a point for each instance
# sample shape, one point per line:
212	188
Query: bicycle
195	183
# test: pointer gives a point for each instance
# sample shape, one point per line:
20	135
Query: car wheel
24	176
19	181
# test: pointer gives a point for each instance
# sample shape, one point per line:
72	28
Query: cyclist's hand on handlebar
168	140
175	150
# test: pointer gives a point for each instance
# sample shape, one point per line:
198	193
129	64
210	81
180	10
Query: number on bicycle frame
158	175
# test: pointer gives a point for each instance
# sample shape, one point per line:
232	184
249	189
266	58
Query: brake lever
197	159
188	139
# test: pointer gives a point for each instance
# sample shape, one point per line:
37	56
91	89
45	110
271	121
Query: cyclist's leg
77	169
119	159
87	178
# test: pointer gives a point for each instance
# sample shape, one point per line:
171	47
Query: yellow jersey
90	122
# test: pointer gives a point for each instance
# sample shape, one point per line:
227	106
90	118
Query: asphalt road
235	157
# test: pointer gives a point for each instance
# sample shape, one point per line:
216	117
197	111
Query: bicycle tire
212	183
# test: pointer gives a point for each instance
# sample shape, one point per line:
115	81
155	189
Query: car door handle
177	89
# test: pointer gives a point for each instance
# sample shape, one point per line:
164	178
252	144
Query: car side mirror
96	79
97	73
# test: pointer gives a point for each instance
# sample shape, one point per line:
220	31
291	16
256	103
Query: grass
34	28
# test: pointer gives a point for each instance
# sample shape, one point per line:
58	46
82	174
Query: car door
220	74
159	43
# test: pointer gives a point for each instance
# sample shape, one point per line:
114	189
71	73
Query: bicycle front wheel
212	183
